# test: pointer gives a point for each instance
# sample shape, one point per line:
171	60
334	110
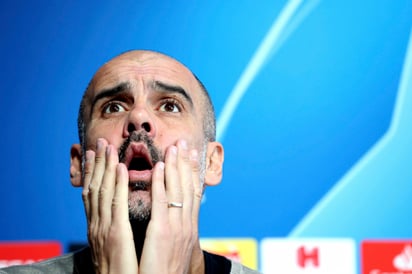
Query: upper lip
137	157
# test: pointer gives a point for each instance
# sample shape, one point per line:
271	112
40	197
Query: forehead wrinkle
164	87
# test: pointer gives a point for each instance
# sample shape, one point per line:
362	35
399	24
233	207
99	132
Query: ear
214	163
76	165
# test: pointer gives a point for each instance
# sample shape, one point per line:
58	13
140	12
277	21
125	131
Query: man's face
143	102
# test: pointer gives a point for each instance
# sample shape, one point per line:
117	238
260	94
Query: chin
140	205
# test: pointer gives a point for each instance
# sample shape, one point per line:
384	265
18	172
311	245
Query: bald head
155	67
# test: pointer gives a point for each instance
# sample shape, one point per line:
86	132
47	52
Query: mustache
140	136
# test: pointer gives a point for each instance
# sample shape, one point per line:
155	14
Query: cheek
170	137
112	133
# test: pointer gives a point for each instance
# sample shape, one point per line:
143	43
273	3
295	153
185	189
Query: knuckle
195	166
88	167
99	160
115	202
85	194
91	232
93	187
101	233
198	194
103	191
185	156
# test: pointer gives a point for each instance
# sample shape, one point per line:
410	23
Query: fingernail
88	155
183	143
108	149
161	165
173	149
99	144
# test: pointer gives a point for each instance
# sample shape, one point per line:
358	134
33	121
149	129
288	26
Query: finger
98	172
120	206
106	190
159	197
172	179
197	186
88	172
186	182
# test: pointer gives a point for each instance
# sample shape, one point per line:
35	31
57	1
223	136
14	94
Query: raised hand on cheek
105	197
172	231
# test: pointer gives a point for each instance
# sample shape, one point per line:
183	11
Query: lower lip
140	175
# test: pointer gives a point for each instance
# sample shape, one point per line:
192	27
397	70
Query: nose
139	119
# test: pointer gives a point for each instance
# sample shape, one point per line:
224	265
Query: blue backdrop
313	100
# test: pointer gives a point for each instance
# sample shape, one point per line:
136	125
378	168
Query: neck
197	264
139	234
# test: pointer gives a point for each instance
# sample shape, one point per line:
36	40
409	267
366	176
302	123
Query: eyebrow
110	92
125	86
161	86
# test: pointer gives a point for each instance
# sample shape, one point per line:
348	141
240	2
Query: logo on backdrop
308	256
17	253
403	261
316	256
383	257
243	250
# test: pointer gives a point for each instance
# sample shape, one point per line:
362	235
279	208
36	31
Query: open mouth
137	157
140	163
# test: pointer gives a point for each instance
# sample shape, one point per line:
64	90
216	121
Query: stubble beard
139	208
140	204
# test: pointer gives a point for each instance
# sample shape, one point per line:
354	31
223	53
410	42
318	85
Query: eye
170	106
113	107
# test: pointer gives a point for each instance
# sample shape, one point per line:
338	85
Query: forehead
145	68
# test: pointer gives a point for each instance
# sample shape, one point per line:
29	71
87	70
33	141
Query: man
147	151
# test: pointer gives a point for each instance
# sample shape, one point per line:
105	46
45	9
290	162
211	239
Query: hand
105	197
172	233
